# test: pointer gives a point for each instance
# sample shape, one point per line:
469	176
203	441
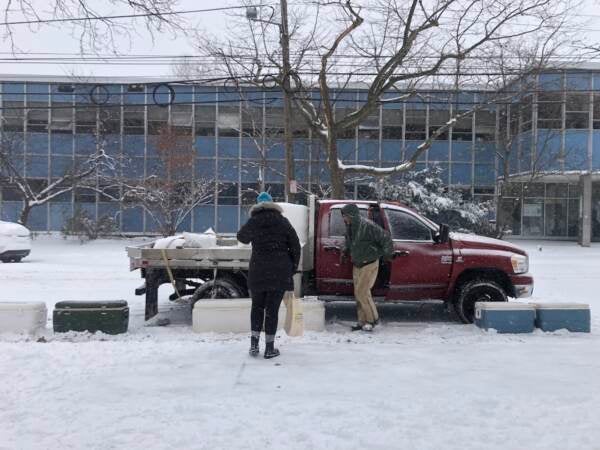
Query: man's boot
270	350
254	346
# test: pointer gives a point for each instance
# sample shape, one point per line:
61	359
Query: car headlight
520	263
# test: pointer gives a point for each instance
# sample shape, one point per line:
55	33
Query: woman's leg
257	318
273	302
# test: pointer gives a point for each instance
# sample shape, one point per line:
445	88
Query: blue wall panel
10	211
37	166
596	150
112	144
250	171
133	220
60	165
228	147
368	150
250	148
186	224
576	143
461	151
61	144
439	151
227	219
228	170
37	143
59	213
85	144
485	152
391	150
204	218
38	218
133	145
461	173
346	150
205	146
301	149
109	209
547	157
484	175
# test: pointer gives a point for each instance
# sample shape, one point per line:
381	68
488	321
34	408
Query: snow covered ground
421	381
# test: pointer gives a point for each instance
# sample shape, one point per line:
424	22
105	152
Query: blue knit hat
264	197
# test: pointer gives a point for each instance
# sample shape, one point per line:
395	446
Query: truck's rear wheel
476	291
219	288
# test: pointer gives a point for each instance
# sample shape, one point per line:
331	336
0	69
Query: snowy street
415	383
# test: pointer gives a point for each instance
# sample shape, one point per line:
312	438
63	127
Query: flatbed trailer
184	265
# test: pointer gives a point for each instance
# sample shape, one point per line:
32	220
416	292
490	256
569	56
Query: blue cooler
505	317
557	316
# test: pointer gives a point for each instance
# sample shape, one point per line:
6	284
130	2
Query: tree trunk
24	217
337	176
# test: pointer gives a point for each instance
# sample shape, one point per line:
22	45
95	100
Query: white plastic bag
169	242
208	239
294	318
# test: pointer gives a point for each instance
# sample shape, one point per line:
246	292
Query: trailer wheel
474	291
219	288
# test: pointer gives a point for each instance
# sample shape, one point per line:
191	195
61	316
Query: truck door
334	278
421	268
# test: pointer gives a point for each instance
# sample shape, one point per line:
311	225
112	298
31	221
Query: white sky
61	38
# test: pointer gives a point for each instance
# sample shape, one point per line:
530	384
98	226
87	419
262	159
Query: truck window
337	227
405	227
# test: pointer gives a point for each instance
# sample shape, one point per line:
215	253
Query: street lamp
284	39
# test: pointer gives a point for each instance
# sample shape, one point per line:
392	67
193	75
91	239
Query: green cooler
110	317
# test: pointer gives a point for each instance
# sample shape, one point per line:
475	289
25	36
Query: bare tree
36	192
390	47
171	193
89	21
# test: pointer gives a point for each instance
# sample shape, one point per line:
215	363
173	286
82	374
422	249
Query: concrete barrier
22	317
233	315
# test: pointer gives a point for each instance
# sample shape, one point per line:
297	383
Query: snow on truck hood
13	229
475	241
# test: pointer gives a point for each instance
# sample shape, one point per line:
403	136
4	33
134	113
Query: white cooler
22	317
233	316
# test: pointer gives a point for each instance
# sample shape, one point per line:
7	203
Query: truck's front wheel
476	291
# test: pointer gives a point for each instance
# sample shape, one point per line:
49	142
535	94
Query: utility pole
290	182
252	13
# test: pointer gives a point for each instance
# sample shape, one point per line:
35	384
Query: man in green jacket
366	243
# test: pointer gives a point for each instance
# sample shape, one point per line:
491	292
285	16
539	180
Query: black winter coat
275	248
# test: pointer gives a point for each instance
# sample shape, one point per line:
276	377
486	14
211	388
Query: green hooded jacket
365	241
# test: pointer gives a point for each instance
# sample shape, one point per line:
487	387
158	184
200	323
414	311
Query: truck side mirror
443	235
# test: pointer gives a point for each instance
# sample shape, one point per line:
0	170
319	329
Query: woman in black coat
275	257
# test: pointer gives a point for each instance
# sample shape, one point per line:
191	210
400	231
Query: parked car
430	263
15	242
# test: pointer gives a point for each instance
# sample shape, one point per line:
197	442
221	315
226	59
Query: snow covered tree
389	47
426	192
34	191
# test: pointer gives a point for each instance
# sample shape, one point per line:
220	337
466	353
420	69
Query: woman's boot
270	350
254	346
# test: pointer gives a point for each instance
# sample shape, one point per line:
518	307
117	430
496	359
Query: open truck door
422	263
333	277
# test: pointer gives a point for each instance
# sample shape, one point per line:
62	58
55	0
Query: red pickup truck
429	263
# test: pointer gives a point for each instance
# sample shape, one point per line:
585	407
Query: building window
415	124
